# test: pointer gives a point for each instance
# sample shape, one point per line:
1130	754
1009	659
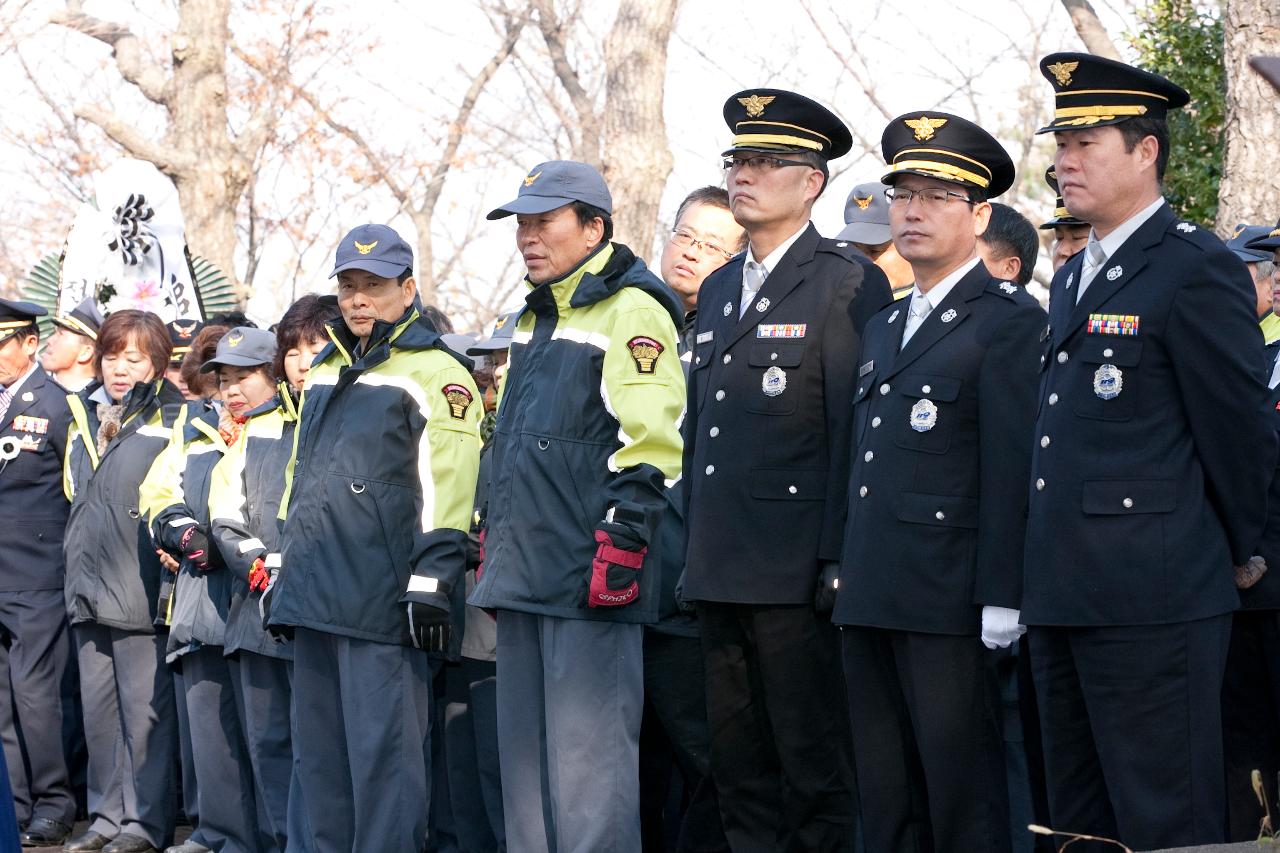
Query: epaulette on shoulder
843	248
1197	236
1007	289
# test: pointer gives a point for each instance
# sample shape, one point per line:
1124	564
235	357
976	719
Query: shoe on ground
86	843
127	842
43	832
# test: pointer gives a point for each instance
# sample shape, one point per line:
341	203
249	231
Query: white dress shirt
1112	242
934	297
762	268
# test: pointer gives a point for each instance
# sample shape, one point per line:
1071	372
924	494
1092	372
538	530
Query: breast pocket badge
774	381
1108	381
924	415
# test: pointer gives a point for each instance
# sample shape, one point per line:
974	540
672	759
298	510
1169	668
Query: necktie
752	281
5	398
1094	258
920	308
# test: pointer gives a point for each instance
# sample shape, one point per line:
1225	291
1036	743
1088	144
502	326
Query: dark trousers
228	812
34	650
675	699
261	686
361	723
131	730
190	801
926	742
780	742
471	742
1132	727
1251	719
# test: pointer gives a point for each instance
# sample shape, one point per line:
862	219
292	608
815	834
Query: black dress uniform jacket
1265	594
767	474
1140	504
31	500
936	515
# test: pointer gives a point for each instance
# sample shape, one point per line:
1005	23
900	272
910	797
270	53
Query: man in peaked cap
1152	455
34	639
68	355
1069	233
766	459
1261	265
181	334
931	569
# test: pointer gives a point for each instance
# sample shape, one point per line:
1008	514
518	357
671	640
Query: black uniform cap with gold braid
1061	216
16	315
85	319
1269	242
182	333
1090	91
946	147
775	120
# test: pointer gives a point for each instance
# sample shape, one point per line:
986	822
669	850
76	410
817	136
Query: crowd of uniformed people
799	544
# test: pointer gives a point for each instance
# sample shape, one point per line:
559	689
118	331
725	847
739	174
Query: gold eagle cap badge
1239	230
755	104
528	182
365	248
234	338
925	126
862	203
1061	71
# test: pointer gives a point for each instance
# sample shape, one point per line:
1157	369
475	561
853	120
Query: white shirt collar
939	291
13	389
771	260
1113	241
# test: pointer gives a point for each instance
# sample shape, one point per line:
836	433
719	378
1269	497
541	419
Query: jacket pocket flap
932	386
1126	497
944	510
789	484
768	354
1110	349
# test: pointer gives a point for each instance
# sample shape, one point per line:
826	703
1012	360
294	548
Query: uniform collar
939	291
562	289
13	389
1113	241
770	261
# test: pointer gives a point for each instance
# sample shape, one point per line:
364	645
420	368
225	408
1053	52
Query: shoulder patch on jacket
843	248
645	352
459	398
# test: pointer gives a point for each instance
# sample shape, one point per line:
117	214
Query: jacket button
884	389
1053	399
1108	352
728	357
862	493
713	432
940	515
1062	357
711	469
868	456
875	422
1040	485
720	395
773	356
1128	503
697	359
1044	441
792	489
926	389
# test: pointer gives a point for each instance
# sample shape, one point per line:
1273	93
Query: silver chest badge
774	381
924	415
728	308
763	305
948	315
1114	273
894	315
1108	381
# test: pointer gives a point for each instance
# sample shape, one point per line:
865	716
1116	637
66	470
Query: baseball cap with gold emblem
243	346
866	216
373	248
774	120
16	315
554	184
947	147
1061	216
1091	91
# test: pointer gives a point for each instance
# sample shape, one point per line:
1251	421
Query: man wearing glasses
932	564
766	457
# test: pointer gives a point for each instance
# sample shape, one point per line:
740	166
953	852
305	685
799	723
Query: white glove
1000	628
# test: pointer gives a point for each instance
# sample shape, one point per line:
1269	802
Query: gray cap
458	342
866	215
1244	234
243	346
373	248
499	339
557	183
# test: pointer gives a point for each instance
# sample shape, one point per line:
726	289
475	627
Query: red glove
614	571
259	576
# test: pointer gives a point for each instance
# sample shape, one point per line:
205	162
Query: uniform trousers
361	723
1251	719
780	743
220	758
1132	727
570	694
186	763
471	742
260	685
130	727
925	712
34	650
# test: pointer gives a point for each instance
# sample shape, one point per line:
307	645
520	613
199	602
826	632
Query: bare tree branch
587	147
1090	29
151	81
166	159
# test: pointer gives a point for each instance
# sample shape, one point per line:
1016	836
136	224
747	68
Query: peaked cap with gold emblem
1090	91
182	333
1061	216
373	248
1268	242
15	315
947	147
84	319
774	120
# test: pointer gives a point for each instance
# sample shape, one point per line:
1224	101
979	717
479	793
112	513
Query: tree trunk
1090	29
637	156
1247	191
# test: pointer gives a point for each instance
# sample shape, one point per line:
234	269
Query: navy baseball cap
1242	236
373	248
243	346
866	216
557	183
499	339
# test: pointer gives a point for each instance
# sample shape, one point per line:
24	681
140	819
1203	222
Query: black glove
429	623
683	604
195	546
824	598
279	633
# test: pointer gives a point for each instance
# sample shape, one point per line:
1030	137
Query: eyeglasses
761	163
684	240
930	197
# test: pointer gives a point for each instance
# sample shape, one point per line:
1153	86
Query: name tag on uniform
866	368
704	337
26	423
781	330
31	443
1113	324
